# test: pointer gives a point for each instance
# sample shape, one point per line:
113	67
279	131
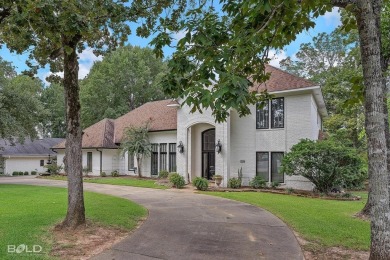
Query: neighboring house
192	144
27	156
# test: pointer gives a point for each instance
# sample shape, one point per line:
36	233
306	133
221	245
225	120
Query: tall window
276	115
272	173
163	157
262	169
172	157
262	116
276	162
42	162
154	159
130	161
89	161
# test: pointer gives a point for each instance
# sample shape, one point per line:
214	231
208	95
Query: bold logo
24	248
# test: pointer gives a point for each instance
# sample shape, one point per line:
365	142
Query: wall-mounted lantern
49	161
218	146
180	147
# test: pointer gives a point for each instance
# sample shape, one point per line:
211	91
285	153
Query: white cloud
276	57
333	18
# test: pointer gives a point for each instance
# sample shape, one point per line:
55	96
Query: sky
326	23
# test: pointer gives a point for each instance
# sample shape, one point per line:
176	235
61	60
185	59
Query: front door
208	153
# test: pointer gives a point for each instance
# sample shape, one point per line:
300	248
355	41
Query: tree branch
342	3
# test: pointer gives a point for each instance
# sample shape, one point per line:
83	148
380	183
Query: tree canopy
125	79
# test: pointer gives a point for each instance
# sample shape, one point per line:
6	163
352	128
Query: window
276	162
269	172
172	157
154	159
89	161
263	115
130	161
42	162
262	161
163	157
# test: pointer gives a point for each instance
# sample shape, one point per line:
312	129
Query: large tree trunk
75	215
139	163
369	33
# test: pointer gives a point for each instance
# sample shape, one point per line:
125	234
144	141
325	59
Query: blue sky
326	23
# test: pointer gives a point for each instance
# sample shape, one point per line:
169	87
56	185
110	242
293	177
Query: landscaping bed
300	193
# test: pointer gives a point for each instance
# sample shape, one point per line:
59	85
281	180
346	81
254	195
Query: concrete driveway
184	225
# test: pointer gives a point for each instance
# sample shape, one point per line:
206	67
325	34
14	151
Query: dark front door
208	153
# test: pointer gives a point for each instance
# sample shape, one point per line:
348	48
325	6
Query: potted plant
218	179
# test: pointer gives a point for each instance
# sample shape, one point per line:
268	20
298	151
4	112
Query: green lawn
327	222
124	181
28	212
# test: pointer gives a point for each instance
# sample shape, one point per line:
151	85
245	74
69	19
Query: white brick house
255	143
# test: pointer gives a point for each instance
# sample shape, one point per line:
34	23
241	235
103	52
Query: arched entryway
208	153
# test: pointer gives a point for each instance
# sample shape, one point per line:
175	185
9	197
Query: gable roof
157	114
107	133
281	80
39	147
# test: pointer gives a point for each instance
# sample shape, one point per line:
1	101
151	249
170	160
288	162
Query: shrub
53	168
177	180
201	183
290	190
234	183
103	174
275	184
25	173
325	163
15	173
258	182
20	173
33	172
163	174
115	173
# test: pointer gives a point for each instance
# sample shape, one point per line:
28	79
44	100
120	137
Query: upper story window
272	111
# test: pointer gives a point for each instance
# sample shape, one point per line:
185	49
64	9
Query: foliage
234	183
54	123
325	163
33	172
163	174
54	168
177	180
130	76
136	142
115	173
327	223
201	183
25	173
275	184
40	208
103	174
15	173
20	107
258	182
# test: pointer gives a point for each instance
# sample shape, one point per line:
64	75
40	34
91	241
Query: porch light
49	161
218	146
180	147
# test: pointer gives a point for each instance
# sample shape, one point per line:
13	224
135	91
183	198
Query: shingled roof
39	147
281	80
107	133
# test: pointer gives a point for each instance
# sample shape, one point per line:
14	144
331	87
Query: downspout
101	159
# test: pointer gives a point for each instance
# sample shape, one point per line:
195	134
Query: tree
20	108
53	32
325	163
54	124
130	76
333	61
234	45
136	143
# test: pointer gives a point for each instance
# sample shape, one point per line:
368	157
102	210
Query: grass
124	181
28	212
325	222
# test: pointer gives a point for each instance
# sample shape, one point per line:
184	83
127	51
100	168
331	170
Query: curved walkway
184	225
